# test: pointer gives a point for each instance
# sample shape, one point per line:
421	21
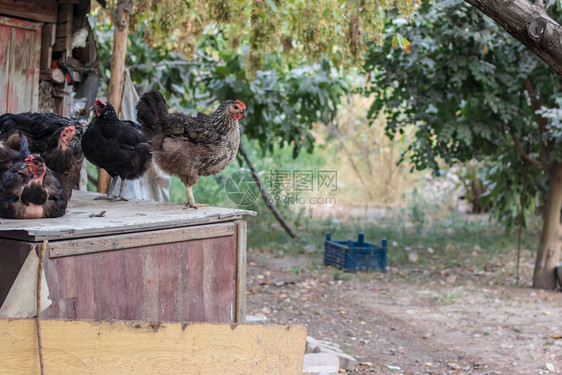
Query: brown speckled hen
189	147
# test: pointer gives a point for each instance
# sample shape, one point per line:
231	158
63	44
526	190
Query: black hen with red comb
118	146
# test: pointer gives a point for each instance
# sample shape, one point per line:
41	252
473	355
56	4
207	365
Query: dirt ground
414	321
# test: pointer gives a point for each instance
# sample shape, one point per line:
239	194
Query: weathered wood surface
143	239
241	239
10	263
36	10
184	281
47	41
20	45
104	348
120	217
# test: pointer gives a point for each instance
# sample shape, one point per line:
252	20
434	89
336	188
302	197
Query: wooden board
143	239
78	347
20	48
10	264
36	10
120	217
241	239
192	281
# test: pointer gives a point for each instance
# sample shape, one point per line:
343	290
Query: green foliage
465	85
415	211
303	30
283	103
455	240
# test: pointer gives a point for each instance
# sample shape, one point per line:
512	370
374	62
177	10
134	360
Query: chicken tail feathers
151	111
24	148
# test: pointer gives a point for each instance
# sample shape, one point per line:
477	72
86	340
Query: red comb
29	159
71	127
99	101
241	104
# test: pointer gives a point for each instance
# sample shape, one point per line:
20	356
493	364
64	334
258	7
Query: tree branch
528	23
537	101
265	195
522	152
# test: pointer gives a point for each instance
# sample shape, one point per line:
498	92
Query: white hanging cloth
154	184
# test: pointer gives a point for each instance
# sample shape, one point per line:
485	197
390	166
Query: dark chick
189	147
115	145
29	190
9	156
56	138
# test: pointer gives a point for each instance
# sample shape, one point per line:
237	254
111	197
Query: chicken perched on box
118	146
189	147
56	138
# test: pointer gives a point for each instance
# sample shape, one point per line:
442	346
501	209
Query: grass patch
453	241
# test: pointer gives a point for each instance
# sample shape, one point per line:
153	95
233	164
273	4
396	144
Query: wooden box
141	260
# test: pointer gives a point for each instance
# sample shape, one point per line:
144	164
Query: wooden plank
150	288
21	24
19	64
12	255
125	241
47	41
103	348
120	217
241	239
182	281
5	53
196	294
226	277
42	11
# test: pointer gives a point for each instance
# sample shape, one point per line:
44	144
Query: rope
38	319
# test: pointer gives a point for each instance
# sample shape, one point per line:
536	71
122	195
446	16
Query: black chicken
118	146
56	138
39	128
29	190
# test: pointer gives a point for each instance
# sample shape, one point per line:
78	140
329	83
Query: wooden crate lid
120	217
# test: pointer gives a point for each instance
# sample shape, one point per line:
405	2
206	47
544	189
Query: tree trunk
528	23
115	89
548	254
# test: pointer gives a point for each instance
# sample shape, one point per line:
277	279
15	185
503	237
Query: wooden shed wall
183	281
20	49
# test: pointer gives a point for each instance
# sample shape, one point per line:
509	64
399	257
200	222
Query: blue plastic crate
355	255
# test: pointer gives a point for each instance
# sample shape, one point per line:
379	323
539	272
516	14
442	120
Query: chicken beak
243	112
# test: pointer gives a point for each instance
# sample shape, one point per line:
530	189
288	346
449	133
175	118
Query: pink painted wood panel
20	50
191	281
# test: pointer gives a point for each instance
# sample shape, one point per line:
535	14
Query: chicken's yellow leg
191	200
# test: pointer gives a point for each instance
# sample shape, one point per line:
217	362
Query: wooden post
121	25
